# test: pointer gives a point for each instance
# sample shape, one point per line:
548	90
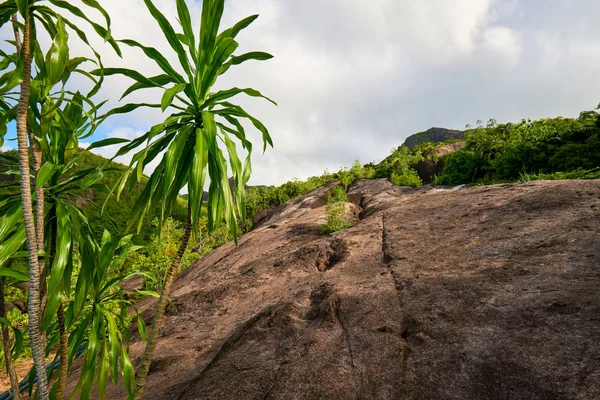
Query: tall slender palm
27	204
193	137
30	11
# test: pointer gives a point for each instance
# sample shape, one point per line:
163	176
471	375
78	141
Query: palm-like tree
192	138
56	61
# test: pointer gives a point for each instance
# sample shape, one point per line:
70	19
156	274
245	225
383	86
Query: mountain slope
482	292
433	135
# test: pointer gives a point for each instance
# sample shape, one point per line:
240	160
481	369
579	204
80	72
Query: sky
354	78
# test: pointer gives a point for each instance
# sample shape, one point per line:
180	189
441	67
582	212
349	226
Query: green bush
400	162
336	211
407	178
574	156
462	167
501	153
158	255
263	197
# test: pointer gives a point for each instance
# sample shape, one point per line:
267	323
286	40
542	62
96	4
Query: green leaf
236	60
212	12
171	37
157	81
45	173
13	273
9	80
127	371
113	344
160	60
64	248
147	293
102	376
91	178
237	28
127	108
128	73
97	6
233	110
141	327
100	30
170	94
22	6
12	217
253	55
18	347
226	94
236	168
186	23
107	142
58	55
197	179
11	245
221	54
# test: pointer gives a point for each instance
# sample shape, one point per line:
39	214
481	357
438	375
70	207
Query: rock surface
475	293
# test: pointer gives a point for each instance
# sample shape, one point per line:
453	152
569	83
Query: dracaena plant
75	118
194	138
34	14
101	306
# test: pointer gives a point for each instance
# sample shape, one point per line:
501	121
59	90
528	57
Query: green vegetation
265	197
193	138
336	211
157	255
60	213
63	232
580	173
506	152
102	214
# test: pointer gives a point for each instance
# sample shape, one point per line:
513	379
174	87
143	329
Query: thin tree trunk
37	164
16	32
39	216
34	266
10	369
159	311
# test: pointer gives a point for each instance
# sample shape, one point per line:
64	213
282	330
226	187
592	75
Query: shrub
336	211
158	255
399	162
464	166
577	155
407	178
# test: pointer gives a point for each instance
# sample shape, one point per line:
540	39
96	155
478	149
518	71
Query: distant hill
434	135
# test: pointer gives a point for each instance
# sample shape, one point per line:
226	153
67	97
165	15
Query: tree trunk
39	218
159	311
36	151
28	218
10	369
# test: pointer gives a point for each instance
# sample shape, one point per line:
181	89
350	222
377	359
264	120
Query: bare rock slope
476	293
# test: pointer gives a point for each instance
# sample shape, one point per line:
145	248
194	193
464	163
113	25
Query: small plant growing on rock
336	211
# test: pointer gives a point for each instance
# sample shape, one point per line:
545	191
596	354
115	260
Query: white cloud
355	78
504	43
